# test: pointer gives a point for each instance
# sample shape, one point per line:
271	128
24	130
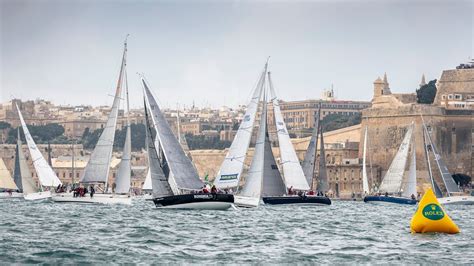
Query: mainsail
46	175
410	186
443	169
22	175
97	169
392	181
6	181
233	164
182	173
157	180
365	179
253	182
323	185
292	171
309	163
123	179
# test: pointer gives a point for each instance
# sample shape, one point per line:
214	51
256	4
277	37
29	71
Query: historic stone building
450	119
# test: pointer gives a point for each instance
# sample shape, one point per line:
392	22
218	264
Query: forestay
253	182
392	181
22	175
181	168
231	169
45	174
292	171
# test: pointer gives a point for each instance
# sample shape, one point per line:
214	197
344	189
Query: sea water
345	232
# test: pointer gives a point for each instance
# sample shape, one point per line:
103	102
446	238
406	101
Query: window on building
443	96
450	96
64	175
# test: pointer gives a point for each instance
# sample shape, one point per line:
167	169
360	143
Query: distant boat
47	177
98	167
276	185
392	184
8	188
173	176
452	195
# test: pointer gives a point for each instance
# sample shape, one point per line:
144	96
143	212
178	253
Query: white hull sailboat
11	195
98	198
457	200
98	167
47	177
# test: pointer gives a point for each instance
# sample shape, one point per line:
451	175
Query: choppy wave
345	232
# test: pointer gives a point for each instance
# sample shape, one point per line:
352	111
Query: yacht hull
457	200
96	199
389	199
246	202
196	201
12	195
297	200
37	195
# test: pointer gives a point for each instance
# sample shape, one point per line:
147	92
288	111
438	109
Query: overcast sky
211	52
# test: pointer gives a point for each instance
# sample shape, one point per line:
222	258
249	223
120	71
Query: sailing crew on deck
413	197
92	191
214	189
290	191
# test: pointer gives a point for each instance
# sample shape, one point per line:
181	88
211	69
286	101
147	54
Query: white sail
392	182
231	169
97	169
426	144
253	182
309	163
410	186
292	171
22	175
6	180
178	167
147	183
365	179
124	173
45	174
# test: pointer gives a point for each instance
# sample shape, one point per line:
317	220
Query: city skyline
211	53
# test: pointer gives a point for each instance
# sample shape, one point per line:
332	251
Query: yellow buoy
431	217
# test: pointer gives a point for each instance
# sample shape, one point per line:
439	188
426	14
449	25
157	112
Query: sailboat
292	177
230	172
250	194
8	187
98	167
453	195
174	178
47	177
392	184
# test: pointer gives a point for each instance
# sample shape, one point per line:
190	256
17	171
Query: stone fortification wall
451	134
